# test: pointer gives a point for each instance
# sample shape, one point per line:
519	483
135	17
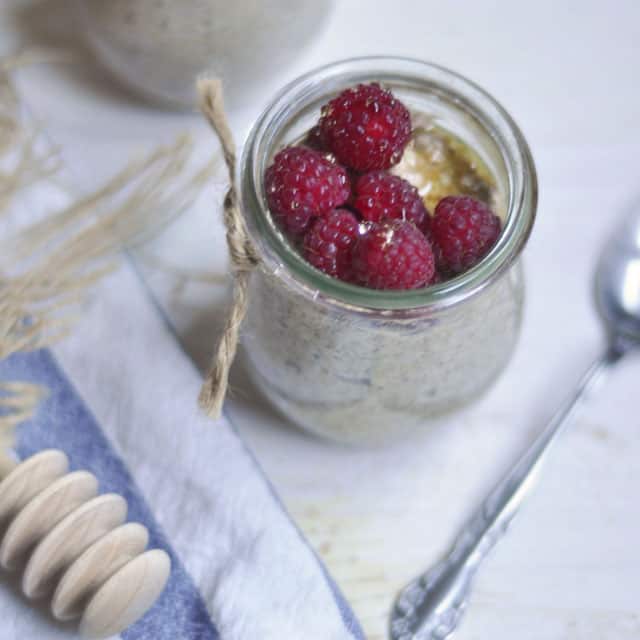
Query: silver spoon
431	607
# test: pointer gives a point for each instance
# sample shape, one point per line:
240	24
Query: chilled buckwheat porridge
388	200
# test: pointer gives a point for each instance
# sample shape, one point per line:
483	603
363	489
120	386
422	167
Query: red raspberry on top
301	184
393	255
329	243
382	196
366	128
464	230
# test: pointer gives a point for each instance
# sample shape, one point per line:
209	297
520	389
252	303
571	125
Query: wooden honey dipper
75	544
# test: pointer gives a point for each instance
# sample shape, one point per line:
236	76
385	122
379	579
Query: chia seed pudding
365	366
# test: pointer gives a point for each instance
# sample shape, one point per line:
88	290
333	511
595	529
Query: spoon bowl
618	281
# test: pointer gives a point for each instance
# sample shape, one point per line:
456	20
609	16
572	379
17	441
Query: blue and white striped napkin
122	404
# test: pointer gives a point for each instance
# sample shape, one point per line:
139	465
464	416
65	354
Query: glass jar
364	366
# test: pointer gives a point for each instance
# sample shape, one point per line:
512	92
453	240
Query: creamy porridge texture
361	359
369	377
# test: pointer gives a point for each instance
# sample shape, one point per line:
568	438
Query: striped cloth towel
122	405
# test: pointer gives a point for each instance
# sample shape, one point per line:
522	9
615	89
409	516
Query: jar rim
281	259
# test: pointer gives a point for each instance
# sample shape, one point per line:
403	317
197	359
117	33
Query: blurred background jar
159	47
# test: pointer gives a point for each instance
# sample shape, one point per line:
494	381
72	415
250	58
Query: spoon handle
431	607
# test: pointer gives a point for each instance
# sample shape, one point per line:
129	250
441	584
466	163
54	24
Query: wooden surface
94	566
42	514
569	568
126	596
23	484
71	537
75	543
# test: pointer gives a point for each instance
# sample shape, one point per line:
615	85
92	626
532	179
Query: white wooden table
568	73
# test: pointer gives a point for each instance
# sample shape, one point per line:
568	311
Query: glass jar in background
365	366
159	47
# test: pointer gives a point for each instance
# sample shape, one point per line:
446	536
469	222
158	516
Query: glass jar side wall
369	379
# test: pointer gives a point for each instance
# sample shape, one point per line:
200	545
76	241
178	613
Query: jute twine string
244	258
18	401
47	268
29	165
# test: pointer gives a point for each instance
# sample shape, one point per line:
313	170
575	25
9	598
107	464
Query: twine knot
244	258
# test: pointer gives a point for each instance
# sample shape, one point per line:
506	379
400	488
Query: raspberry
329	243
464	230
366	128
382	196
301	184
393	255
